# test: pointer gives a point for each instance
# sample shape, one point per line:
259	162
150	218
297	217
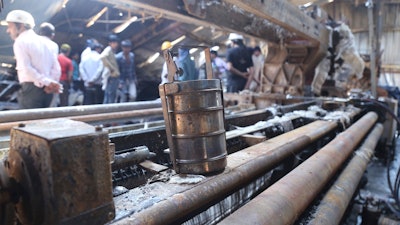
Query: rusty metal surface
64	168
243	167
112	116
194	117
334	204
286	199
135	156
69	111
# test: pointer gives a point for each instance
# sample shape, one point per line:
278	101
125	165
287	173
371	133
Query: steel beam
285	200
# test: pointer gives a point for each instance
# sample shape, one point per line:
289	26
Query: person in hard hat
239	64
164	73
111	71
66	72
127	79
37	67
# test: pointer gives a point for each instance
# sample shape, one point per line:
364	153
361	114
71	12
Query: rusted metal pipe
334	204
132	157
46	113
286	199
243	167
95	117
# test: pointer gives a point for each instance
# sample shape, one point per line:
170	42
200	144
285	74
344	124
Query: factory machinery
189	158
320	160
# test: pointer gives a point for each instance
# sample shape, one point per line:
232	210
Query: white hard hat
20	16
234	36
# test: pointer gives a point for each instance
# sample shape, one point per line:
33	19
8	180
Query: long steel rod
335	202
258	160
35	114
95	117
286	199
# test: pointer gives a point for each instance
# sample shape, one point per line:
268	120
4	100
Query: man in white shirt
36	66
90	69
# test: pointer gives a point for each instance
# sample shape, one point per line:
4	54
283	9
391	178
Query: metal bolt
111	215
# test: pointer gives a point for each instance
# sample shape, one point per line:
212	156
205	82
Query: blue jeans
110	94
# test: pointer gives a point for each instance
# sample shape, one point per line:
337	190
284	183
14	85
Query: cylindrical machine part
69	111
335	202
285	200
133	157
142	113
194	117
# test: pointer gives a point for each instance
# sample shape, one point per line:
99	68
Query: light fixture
150	60
199	28
64	4
193	50
6	65
215	48
153	58
317	2
125	24
179	39
96	17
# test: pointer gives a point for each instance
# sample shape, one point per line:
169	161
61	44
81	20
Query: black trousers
30	97
93	95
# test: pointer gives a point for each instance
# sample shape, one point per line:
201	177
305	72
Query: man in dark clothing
239	63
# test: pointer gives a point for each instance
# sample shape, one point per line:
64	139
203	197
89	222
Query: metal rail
240	171
286	199
142	113
334	204
35	114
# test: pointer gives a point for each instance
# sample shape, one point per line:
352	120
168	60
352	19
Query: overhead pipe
260	159
334	204
286	199
68	111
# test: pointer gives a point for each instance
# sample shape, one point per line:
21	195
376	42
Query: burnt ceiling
199	22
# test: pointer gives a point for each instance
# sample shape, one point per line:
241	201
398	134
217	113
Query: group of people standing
46	74
242	69
37	64
108	76
245	66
